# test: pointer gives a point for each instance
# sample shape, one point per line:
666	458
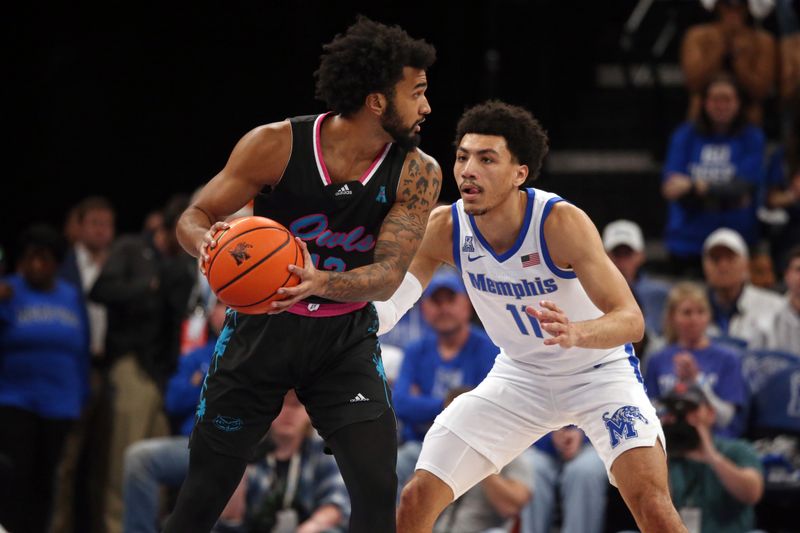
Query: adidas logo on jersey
359	398
343	190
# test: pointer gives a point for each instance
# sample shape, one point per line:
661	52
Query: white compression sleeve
392	310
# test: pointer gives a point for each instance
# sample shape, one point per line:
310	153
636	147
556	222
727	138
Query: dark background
137	101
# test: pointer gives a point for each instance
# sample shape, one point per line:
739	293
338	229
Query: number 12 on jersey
515	313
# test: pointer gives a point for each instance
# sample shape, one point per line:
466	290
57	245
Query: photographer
715	481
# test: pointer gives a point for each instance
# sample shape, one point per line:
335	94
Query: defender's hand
311	282
556	323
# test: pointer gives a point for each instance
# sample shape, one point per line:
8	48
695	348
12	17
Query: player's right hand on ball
209	241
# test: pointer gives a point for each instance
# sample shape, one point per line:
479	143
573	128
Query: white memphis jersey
500	286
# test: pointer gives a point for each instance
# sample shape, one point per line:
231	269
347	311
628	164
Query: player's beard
392	123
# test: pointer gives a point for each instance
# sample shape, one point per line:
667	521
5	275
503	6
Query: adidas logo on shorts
359	398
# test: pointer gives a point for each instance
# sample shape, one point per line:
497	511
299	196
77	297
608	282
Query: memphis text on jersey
520	290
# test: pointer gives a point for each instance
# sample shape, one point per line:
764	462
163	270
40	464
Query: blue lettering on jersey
525	288
315	228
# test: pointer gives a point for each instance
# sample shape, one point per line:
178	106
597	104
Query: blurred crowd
105	341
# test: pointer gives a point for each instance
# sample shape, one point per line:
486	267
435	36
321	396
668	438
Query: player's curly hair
369	57
526	139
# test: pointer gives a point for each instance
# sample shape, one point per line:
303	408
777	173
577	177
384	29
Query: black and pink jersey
339	221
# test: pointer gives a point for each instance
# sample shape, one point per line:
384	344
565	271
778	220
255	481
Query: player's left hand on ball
556	323
310	282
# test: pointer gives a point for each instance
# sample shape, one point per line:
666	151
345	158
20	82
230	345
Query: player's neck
501	225
355	138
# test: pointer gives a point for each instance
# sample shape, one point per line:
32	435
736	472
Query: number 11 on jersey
515	313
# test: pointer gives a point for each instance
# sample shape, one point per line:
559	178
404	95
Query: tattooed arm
398	240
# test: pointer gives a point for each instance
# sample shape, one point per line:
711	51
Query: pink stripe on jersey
323	168
375	164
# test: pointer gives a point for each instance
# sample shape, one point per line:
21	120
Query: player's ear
376	103
521	176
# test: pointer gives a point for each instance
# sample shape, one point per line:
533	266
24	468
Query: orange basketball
250	263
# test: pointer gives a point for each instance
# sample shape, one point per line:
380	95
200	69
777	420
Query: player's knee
413	494
424	490
649	500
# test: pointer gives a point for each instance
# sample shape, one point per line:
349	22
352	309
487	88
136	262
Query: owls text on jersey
500	286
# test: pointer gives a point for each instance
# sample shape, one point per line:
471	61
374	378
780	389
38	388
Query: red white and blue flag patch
530	260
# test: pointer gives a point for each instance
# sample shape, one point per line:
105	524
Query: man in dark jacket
146	290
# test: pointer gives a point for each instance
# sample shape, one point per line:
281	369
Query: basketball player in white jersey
562	315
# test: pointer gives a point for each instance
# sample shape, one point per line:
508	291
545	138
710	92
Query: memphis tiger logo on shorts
620	425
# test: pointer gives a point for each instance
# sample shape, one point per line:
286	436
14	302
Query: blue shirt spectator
457	354
714	159
692	358
713	173
720	369
44	367
44	349
425	378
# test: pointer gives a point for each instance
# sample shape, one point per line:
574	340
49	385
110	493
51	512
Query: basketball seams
259	262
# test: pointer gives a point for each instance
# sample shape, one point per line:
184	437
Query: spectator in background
565	460
739	310
94	218
782	333
85	259
152	463
712	175
624	244
494	504
146	292
715	481
691	358
44	364
296	488
729	44
455	354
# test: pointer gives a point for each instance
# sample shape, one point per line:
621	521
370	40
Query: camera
681	437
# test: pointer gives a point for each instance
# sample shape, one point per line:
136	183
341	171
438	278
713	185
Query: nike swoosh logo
471	259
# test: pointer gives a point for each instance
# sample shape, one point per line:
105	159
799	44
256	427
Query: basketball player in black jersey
355	190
